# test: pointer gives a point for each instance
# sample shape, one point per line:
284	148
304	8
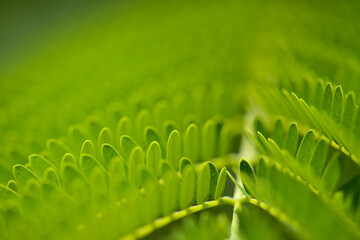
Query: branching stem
161	222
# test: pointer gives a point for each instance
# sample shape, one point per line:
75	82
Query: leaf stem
276	213
161	222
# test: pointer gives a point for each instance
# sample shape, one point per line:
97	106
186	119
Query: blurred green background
62	61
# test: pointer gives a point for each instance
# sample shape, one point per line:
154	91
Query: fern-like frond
119	168
281	191
323	107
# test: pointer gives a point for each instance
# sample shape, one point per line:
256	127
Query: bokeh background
62	61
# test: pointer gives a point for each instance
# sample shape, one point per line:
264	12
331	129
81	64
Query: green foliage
248	177
135	115
220	186
111	180
280	190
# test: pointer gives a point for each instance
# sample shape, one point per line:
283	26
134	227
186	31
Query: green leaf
165	167
247	176
105	136
306	148
331	176
127	145
50	176
151	134
152	191
12	185
69	173
328	98
22	175
183	163
153	157
72	178
145	175
278	132
118	174
124	127
7	193
220	186
203	184
68	159
318	160
214	175
191	119
281	156
188	186
168	127
192	142
99	186
318	96
292	139
108	152
88	148
337	109
225	141
171	193
173	149
118	167
57	150
349	113
39	164
208	140
88	163
259	126
136	164
262	140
